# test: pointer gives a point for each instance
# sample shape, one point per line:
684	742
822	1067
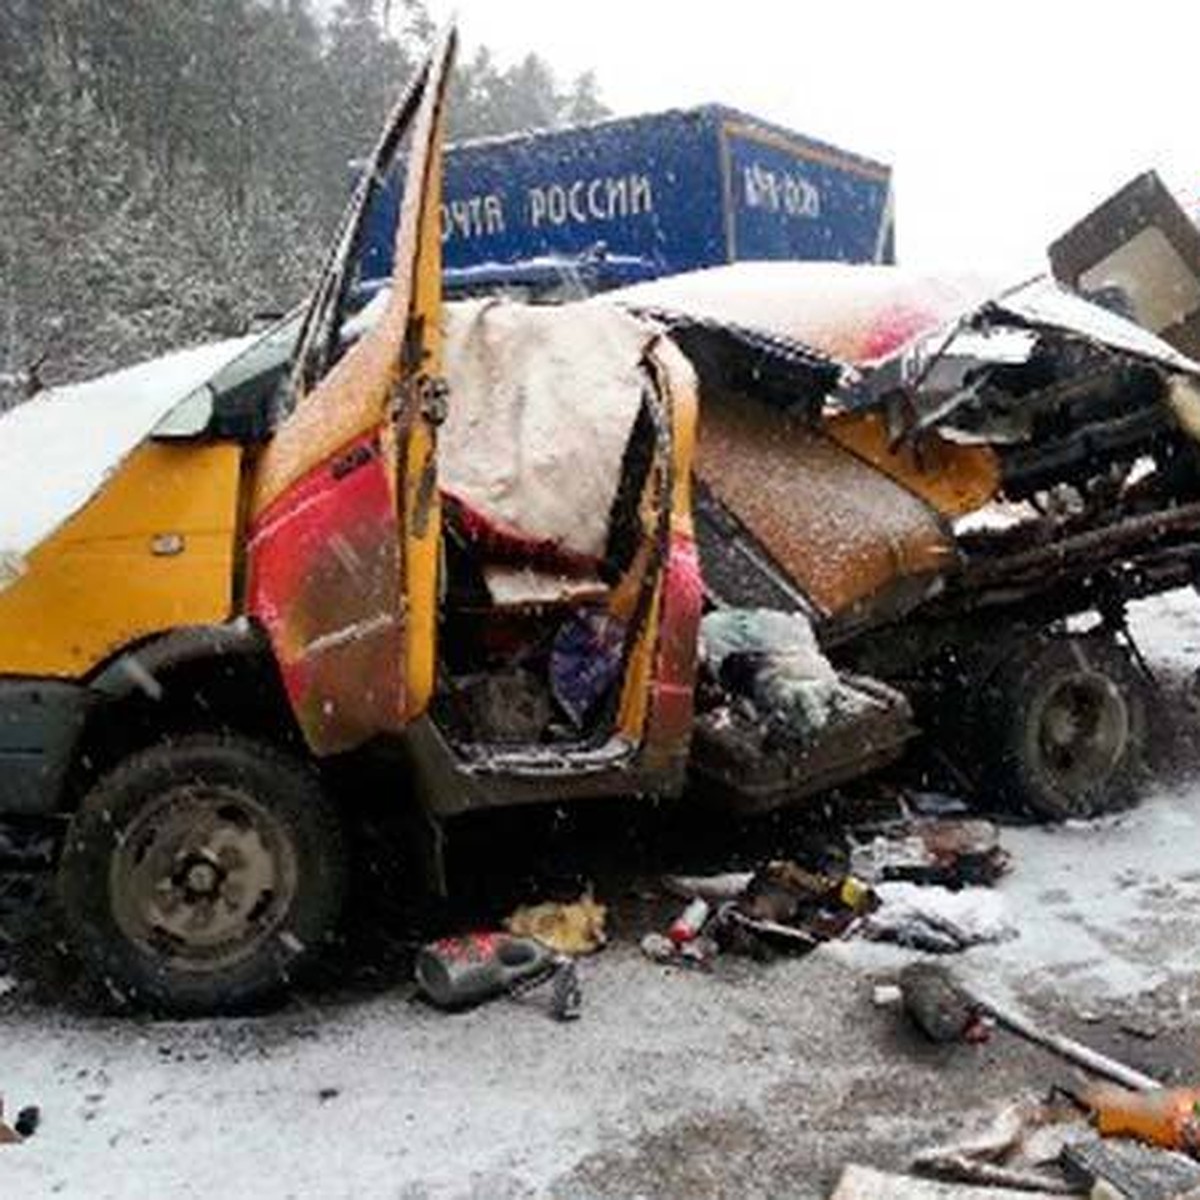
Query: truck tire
202	875
1063	727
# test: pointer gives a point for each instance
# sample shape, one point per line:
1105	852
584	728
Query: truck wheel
201	875
1065	724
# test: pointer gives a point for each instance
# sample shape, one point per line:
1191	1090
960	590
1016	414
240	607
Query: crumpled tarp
542	404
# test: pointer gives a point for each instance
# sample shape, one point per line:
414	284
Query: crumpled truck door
344	515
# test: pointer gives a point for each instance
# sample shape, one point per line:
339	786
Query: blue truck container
634	198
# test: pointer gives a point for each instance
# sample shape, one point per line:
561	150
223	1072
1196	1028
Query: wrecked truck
460	542
457	542
963	505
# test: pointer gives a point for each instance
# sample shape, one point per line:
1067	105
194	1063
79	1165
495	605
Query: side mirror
191	418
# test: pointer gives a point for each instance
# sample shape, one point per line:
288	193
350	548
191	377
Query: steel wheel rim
203	875
1080	733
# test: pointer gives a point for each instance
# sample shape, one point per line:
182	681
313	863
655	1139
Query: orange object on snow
1168	1117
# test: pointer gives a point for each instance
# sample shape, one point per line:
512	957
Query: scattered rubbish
572	928
937	920
688	924
789	904
940	1005
1166	1117
463	971
699	951
658	946
935	804
566	996
1129	1168
993	1141
866	1183
886	995
1006	1152
1029	1149
953	853
8	1135
978	1171
458	973
942	1009
28	1120
781	906
769	930
1069	1049
784	891
1139	1028
713	888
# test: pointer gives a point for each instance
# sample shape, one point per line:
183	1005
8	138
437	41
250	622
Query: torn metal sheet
1043	304
1140	248
778	370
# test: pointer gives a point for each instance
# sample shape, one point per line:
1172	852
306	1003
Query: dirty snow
750	1081
58	448
1108	908
496	1102
963	917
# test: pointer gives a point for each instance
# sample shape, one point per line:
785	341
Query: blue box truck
623	200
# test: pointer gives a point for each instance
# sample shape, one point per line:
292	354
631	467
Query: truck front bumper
40	724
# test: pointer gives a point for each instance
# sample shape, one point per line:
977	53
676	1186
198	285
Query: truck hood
58	448
865	315
856	314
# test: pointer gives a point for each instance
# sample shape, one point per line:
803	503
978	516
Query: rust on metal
843	531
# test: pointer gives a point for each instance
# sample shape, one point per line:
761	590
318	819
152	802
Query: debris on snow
938	1006
937	920
576	927
460	972
866	1183
1129	1168
948	852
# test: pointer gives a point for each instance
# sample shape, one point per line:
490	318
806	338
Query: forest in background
171	167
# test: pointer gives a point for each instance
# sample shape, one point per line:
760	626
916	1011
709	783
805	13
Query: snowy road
751	1081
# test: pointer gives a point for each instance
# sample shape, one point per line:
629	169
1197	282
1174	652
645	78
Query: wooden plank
866	1183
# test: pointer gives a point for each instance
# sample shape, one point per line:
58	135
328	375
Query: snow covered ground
749	1081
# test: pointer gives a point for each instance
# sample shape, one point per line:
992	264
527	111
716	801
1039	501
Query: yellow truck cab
233	583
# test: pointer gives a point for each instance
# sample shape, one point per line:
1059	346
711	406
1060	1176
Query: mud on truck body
461	542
